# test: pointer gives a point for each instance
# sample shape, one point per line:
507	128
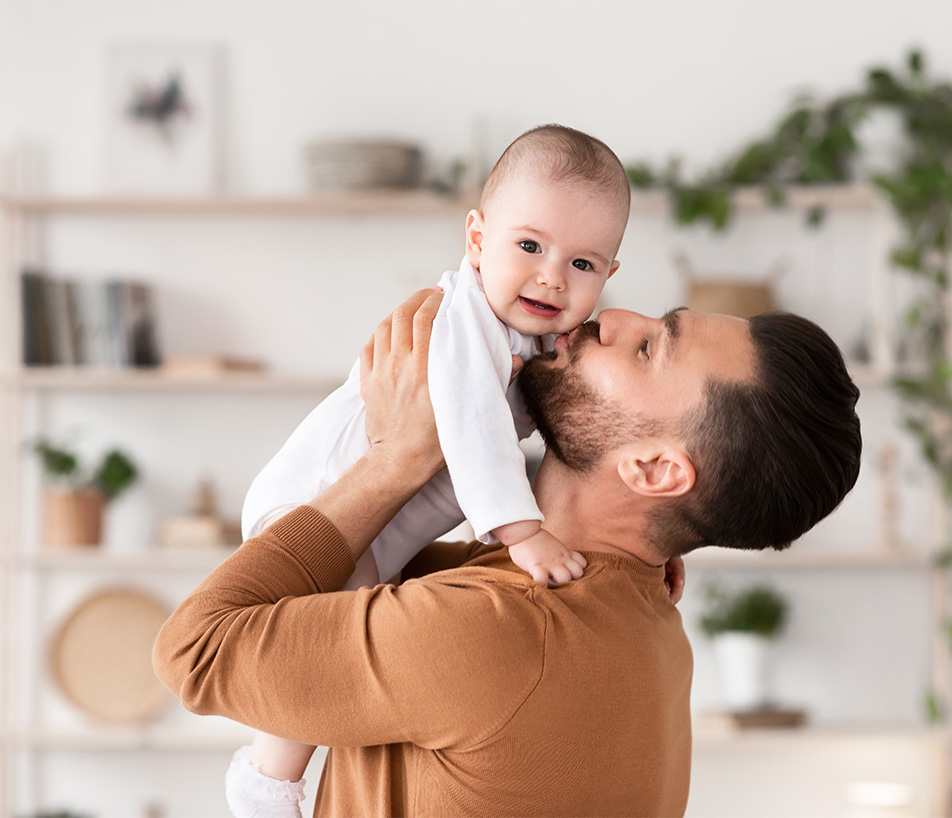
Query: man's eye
582	264
529	246
643	349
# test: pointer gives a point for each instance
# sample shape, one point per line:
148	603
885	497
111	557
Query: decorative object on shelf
101	657
731	721
74	500
339	164
727	295
210	366
87	323
742	626
164	119
203	527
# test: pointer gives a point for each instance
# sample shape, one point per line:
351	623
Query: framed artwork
164	119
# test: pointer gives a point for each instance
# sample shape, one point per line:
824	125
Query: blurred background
208	206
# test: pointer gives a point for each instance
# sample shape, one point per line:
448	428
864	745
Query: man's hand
544	557
393	385
674	578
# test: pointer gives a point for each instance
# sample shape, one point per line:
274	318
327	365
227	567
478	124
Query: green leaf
115	474
641	176
915	62
816	216
932	707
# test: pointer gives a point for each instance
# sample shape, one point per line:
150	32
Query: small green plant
756	609
114	473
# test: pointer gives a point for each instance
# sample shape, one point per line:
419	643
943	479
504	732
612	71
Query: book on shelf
70	322
37	345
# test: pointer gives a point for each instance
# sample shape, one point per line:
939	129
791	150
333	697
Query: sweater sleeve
261	642
469	368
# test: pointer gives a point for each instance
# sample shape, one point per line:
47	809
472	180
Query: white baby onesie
479	417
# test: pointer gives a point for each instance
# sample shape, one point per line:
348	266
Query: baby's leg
265	780
429	514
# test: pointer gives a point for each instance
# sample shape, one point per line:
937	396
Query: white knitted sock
252	794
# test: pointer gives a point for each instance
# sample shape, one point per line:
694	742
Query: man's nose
617	323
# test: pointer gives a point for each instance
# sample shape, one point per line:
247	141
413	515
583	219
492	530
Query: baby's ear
474	237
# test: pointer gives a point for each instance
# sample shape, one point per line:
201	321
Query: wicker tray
364	165
101	657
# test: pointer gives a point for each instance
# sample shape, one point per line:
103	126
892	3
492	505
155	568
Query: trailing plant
757	609
817	142
111	476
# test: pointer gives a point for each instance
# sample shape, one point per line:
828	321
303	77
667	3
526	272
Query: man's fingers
423	320
404	319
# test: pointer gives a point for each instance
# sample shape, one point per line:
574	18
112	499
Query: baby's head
550	221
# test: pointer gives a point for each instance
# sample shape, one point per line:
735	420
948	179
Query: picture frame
164	119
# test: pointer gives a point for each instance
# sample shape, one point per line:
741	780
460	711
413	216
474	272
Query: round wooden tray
101	656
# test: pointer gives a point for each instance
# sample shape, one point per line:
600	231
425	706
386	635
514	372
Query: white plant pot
743	662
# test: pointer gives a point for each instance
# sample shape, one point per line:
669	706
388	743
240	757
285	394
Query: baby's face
544	251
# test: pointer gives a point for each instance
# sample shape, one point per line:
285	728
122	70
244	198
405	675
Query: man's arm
261	642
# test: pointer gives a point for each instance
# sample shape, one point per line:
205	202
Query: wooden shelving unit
23	213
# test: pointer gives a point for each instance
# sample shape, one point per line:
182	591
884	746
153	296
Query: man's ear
474	237
659	471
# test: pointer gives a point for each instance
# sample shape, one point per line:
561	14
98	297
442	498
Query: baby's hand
542	556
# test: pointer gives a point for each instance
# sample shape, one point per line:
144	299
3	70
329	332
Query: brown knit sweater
468	691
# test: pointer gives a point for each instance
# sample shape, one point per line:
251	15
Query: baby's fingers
576	564
539	574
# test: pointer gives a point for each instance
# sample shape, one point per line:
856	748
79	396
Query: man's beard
577	425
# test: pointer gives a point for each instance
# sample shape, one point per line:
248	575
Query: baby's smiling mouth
538	307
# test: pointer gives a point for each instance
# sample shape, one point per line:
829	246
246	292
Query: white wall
651	78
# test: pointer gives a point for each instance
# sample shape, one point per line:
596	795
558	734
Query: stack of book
67	322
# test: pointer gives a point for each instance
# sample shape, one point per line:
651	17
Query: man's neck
595	511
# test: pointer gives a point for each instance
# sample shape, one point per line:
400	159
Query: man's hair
773	456
561	154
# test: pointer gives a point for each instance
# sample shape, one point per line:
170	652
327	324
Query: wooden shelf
79	379
395	201
808	558
148	559
846	196
416	201
715	737
132	738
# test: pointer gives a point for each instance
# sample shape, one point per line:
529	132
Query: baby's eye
529	246
582	264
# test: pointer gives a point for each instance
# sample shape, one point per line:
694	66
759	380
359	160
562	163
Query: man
471	690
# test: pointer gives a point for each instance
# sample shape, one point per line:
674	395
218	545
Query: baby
538	253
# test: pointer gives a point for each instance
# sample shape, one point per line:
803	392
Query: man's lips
538	308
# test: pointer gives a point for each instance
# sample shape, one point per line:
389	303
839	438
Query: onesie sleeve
469	368
261	642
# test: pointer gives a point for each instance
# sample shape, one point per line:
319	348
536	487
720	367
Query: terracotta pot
73	517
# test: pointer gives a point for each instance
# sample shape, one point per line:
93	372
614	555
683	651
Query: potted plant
75	498
742	625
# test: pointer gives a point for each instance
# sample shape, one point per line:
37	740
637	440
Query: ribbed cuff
318	544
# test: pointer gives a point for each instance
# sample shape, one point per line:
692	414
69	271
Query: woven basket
739	298
101	657
344	165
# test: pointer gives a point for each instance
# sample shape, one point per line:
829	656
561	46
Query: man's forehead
723	340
